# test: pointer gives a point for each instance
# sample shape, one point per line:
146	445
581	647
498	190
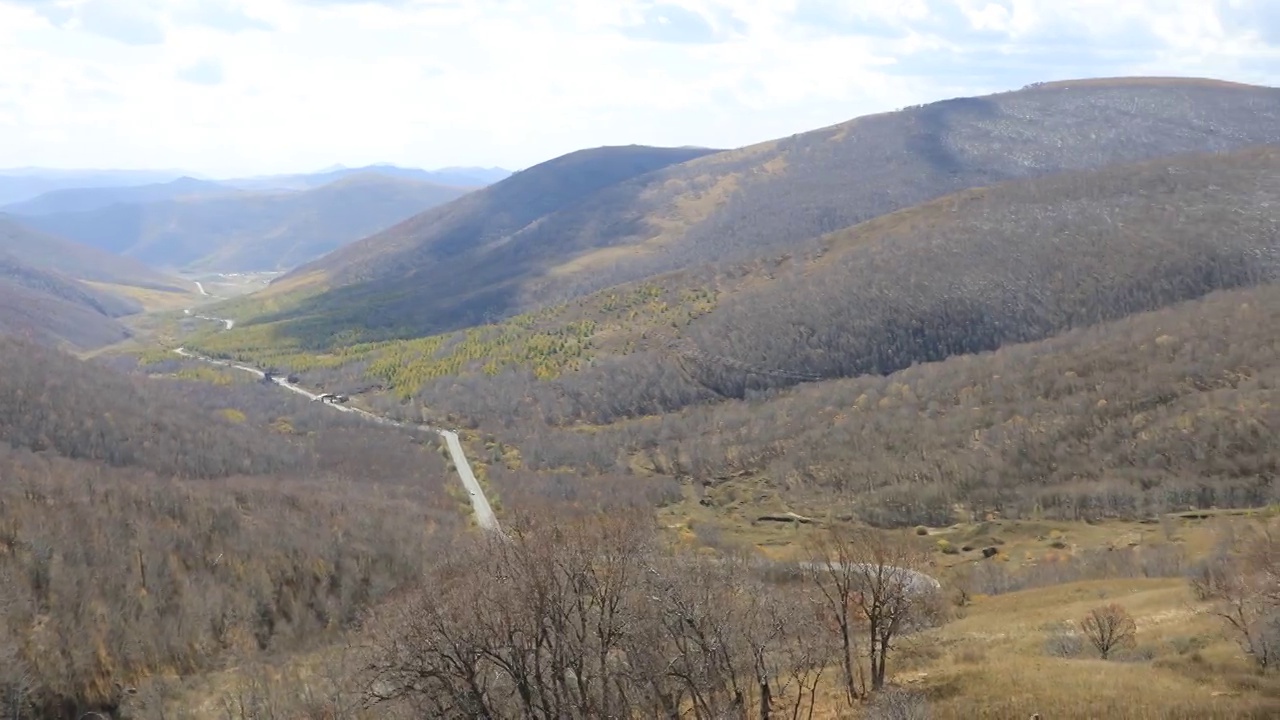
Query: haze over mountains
78	249
80	199
58	291
19	185
242	230
271	222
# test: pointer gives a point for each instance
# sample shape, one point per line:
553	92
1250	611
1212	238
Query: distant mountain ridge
21	188
84	199
238	230
21	184
467	177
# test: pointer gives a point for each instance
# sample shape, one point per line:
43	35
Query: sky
239	87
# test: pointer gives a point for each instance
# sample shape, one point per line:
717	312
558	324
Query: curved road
479	503
915	581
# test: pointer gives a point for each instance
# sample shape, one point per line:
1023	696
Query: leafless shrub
1187	644
1063	641
896	703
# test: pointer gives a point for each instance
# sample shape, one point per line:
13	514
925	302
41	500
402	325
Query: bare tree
871	584
591	617
894	598
833	571
1109	628
1243	581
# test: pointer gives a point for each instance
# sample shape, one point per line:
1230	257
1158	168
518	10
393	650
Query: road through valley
479	503
914	580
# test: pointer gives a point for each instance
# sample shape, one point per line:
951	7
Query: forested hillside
966	273
1001	320
239	230
163	527
53	309
455	267
1166	410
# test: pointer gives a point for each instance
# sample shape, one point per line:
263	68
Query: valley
963	410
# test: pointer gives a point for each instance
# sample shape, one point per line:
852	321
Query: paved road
229	323
479	503
915	581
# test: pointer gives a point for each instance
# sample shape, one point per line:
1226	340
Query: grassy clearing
992	663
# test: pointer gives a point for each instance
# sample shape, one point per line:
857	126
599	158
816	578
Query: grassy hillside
241	231
456	267
93	198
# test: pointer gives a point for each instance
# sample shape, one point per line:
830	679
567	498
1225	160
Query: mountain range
20	185
596	218
196	226
1014	329
618	310
467	177
93	246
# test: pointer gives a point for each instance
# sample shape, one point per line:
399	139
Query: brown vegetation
1109	628
54	310
1243	580
598	618
75	260
114	572
1116	418
590	225
1078	347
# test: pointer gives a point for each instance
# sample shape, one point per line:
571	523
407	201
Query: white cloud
300	84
